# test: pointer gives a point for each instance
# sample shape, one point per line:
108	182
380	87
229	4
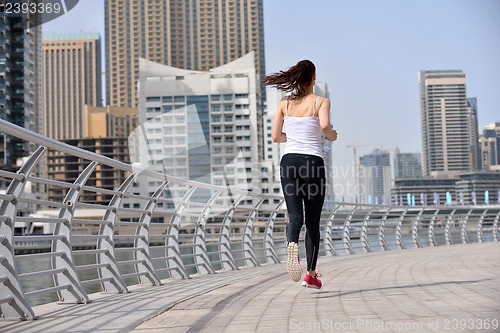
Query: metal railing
123	246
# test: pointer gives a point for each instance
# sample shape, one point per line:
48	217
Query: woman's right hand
332	136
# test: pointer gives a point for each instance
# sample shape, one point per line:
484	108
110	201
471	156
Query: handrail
44	141
125	246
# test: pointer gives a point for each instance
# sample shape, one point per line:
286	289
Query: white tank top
303	134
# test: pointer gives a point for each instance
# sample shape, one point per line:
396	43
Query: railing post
248	251
465	236
432	240
399	236
201	259
146	265
381	232
172	251
346	239
480	237
271	255
18	307
364	231
226	255
414	230
75	293
495	227
107	255
447	234
329	248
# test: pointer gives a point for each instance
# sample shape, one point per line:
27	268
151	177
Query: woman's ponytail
294	80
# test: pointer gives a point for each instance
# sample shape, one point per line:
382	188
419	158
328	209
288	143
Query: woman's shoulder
321	98
322	102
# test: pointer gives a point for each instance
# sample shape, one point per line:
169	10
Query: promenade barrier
108	247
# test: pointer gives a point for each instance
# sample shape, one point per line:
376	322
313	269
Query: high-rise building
72	79
105	131
20	91
490	146
375	177
197	35
407	165
474	146
199	125
449	124
67	168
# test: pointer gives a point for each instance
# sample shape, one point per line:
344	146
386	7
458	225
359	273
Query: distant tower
375	176
490	146
407	165
474	146
72	79
449	124
194	35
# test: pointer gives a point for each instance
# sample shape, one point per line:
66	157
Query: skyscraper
475	147
490	146
448	124
407	165
72	79
20	91
196	35
375	177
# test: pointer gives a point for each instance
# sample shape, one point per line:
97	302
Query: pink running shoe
293	262
312	282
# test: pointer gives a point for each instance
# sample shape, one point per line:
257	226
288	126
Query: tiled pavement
442	289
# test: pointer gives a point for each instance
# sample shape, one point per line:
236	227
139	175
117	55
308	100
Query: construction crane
354	147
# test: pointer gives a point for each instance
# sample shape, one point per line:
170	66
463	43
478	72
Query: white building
203	126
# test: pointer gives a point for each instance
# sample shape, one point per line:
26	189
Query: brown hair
294	80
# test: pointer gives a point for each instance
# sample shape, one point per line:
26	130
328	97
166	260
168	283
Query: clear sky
369	53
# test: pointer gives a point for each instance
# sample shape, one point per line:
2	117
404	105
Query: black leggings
303	181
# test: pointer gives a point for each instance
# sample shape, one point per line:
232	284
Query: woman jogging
300	121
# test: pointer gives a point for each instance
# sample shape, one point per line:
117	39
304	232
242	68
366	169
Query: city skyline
371	59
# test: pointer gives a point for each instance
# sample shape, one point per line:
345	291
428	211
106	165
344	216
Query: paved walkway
443	289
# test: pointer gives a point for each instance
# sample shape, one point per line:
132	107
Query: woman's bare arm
324	120
277	134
